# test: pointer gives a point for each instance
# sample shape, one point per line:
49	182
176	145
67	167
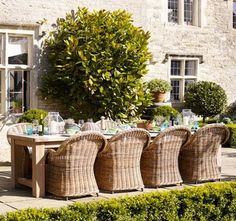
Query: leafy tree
206	98
97	61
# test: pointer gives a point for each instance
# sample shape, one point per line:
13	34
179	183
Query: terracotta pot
17	110
145	125
159	97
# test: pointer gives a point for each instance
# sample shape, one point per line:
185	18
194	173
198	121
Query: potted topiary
159	88
206	99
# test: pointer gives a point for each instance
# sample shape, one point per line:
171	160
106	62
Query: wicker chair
107	123
21	128
198	158
159	161
90	126
117	167
70	169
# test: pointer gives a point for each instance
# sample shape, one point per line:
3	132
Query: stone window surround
233	16
5	68
182	76
198	13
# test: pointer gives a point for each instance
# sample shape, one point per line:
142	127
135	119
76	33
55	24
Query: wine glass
35	124
80	123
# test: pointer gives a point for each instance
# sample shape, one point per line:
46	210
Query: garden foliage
210	202
97	61
33	114
232	139
206	98
166	111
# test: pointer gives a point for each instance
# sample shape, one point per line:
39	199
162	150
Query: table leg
38	171
16	162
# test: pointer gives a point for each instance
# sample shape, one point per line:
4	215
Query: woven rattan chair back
117	167
159	162
70	169
107	123
90	126
198	158
20	128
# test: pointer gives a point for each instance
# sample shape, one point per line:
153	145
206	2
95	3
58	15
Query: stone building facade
191	40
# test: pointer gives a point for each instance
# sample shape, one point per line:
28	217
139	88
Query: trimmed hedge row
209	202
232	139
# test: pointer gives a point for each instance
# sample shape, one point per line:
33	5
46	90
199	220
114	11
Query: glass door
18	91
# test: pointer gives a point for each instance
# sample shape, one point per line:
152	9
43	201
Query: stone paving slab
38	203
15	199
5	208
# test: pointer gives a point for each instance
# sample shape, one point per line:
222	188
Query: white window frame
5	67
196	17
182	77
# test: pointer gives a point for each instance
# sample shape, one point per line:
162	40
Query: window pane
234	14
187	82
174	94
16	90
18	50
173	11
190	68
188	11
175	67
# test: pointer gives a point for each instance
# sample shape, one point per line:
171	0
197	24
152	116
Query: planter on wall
159	97
145	125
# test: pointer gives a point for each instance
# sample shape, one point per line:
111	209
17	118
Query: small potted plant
145	124
17	106
147	119
159	88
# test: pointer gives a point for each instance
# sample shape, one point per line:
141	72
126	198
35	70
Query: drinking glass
35	126
29	130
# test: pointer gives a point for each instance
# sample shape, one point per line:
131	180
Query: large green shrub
206	98
210	202
32	114
97	61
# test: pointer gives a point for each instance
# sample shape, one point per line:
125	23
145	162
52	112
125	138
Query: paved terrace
15	199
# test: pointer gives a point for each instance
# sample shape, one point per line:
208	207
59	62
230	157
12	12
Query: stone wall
215	40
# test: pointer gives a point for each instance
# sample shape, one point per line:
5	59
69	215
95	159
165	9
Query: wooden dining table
38	144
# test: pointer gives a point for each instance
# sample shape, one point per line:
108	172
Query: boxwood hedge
209	202
232	139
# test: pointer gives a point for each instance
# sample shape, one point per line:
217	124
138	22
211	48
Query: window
15	64
234	14
188	11
182	73
173	11
183	12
